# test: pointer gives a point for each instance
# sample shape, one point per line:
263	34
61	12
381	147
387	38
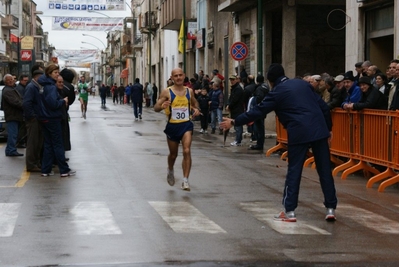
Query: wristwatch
232	122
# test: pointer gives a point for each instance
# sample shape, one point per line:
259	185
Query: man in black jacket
259	124
31	106
236	106
13	113
137	99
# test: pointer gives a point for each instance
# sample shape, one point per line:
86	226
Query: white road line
182	217
8	218
368	219
264	213
94	218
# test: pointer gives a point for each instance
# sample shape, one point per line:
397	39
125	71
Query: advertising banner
87	5
78	56
87	24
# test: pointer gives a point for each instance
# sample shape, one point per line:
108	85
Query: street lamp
91	44
88	35
92	11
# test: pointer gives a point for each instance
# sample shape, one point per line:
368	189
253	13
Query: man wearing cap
308	122
31	106
236	106
371	97
337	93
352	90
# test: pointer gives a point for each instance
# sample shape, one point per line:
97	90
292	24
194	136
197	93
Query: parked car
3	124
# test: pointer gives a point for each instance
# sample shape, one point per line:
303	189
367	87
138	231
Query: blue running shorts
175	131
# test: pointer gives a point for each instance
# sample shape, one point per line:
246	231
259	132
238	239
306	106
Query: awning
124	73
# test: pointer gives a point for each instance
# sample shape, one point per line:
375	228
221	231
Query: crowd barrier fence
366	140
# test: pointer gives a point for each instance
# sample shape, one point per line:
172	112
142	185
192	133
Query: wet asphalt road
119	211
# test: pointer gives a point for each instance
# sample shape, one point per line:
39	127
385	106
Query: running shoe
201	131
140	116
84	115
70	173
185	186
48	174
171	179
285	216
330	215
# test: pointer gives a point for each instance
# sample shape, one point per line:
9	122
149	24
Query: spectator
31	105
50	117
353	92
103	95
121	94
371	97
155	94
216	105
337	93
203	101
13	113
128	93
381	81
114	91
259	124
359	71
236	106
137	99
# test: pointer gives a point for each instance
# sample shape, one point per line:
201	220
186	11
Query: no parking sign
239	51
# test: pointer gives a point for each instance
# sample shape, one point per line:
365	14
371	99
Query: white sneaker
235	143
201	131
48	174
205	132
185	186
70	173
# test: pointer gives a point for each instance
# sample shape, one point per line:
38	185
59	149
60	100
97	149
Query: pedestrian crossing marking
8	218
183	217
94	218
265	213
369	219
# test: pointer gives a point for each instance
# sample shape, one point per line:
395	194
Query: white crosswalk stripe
368	219
182	217
264	212
8	217
94	218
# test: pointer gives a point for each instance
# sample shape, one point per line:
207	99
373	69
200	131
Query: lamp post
92	11
91	44
88	35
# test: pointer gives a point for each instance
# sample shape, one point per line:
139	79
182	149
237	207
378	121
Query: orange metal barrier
282	140
365	139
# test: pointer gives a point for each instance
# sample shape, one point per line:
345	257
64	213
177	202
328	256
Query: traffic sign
239	51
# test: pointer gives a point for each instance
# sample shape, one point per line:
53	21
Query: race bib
180	114
83	91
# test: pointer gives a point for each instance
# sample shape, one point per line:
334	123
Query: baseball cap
339	78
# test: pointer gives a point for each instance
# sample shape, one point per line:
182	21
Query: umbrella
225	134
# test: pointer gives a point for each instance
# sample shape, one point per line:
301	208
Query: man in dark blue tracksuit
308	122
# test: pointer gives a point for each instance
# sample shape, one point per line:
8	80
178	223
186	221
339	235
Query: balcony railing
10	22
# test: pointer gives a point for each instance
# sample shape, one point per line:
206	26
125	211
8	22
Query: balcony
10	22
236	5
148	22
12	52
138	42
172	14
41	57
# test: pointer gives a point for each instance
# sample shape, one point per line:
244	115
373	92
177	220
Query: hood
67	75
44	80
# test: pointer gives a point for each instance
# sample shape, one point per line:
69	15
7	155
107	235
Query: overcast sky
68	39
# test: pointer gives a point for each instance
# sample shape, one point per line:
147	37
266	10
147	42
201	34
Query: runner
83	95
178	101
